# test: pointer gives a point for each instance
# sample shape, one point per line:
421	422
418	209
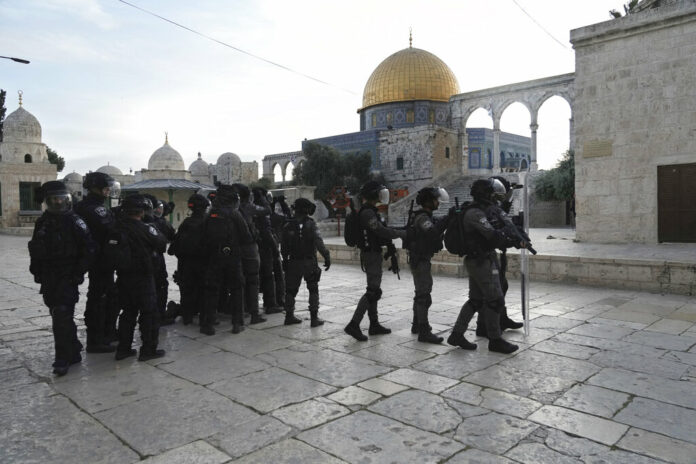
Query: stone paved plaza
606	376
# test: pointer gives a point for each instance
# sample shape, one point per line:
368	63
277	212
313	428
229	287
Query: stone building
635	125
24	166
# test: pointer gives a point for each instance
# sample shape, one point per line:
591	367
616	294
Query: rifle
393	254
515	233
409	219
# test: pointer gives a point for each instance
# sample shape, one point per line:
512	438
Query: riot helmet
102	184
227	195
482	190
243	191
158	209
499	191
373	190
198	202
150	204
135	204
431	195
56	196
304	206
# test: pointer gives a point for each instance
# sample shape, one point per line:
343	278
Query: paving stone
540	387
649	386
574	446
367	437
648	308
456	364
611	332
421	409
670	326
422	381
16	377
507	403
660	367
171	419
270	389
247	437
310	413
474	456
630	316
593	400
681	356
551	364
383	387
536	335
289	451
306	334
465	392
198	452
207	368
536	453
664	341
619	457
179	347
338	369
466	410
612	345
667	419
440	348
248	343
352	396
565	349
581	424
40	426
556	324
658	446
393	355
493	432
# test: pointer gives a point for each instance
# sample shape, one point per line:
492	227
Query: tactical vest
298	236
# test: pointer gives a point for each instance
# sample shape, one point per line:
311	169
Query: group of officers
238	242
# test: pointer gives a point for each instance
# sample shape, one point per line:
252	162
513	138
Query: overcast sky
106	80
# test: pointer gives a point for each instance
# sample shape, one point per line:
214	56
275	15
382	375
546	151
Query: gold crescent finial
20	93
410	37
166	138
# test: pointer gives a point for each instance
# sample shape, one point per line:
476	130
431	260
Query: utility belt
292	257
229	250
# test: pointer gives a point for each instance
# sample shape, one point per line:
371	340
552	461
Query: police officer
485	293
251	261
497	213
135	245
187	246
300	243
101	310
224	233
376	235
153	216
61	251
424	239
268	249
280	214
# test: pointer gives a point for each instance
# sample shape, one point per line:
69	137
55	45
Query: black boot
290	319
501	346
100	348
60	368
315	321
353	329
146	355
425	335
125	354
207	329
458	339
257	319
507	323
378	329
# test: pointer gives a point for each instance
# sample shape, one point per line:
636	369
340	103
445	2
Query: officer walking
187	246
300	243
376	235
224	233
131	247
485	293
424	239
61	250
101	312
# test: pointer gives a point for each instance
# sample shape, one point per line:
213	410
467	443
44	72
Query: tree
53	158
557	184
3	110
263	182
324	167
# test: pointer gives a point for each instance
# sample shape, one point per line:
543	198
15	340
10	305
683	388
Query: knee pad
373	294
424	299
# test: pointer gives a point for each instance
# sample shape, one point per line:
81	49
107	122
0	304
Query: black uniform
268	250
61	251
300	243
426	240
136	284
101	309
160	271
377	235
251	261
278	220
224	232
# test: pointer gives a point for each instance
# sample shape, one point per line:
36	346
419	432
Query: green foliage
53	158
263	182
557	184
3	110
324	167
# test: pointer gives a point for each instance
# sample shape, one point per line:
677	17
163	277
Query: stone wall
250	172
635	110
10	176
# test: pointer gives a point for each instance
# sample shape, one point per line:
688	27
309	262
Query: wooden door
676	203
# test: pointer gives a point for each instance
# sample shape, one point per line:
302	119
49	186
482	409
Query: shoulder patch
152	230
81	224
101	211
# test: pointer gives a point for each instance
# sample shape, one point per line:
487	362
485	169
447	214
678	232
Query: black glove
327	263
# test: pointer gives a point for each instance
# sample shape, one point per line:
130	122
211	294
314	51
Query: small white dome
228	159
73	177
110	170
165	157
199	167
21	126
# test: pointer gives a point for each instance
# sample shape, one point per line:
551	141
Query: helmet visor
384	196
114	189
159	209
499	192
442	195
59	202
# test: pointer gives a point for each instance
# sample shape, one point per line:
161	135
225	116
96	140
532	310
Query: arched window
27	158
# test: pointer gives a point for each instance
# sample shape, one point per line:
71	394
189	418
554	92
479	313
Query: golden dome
410	74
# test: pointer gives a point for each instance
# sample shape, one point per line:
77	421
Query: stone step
24	231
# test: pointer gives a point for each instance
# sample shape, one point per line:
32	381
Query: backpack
118	255
456	241
188	241
352	232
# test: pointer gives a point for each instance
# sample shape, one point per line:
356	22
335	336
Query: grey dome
73	177
21	126
165	157
110	170
199	167
229	159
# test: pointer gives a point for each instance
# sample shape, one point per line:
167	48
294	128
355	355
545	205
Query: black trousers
223	274
138	299
191	276
485	295
98	309
423	287
299	269
268	283
372	265
251	264
60	295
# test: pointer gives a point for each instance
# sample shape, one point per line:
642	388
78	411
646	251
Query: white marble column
496	147
533	147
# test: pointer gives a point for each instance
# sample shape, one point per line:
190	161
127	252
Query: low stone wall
644	275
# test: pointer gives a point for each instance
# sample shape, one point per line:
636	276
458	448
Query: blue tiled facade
512	148
405	114
354	142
